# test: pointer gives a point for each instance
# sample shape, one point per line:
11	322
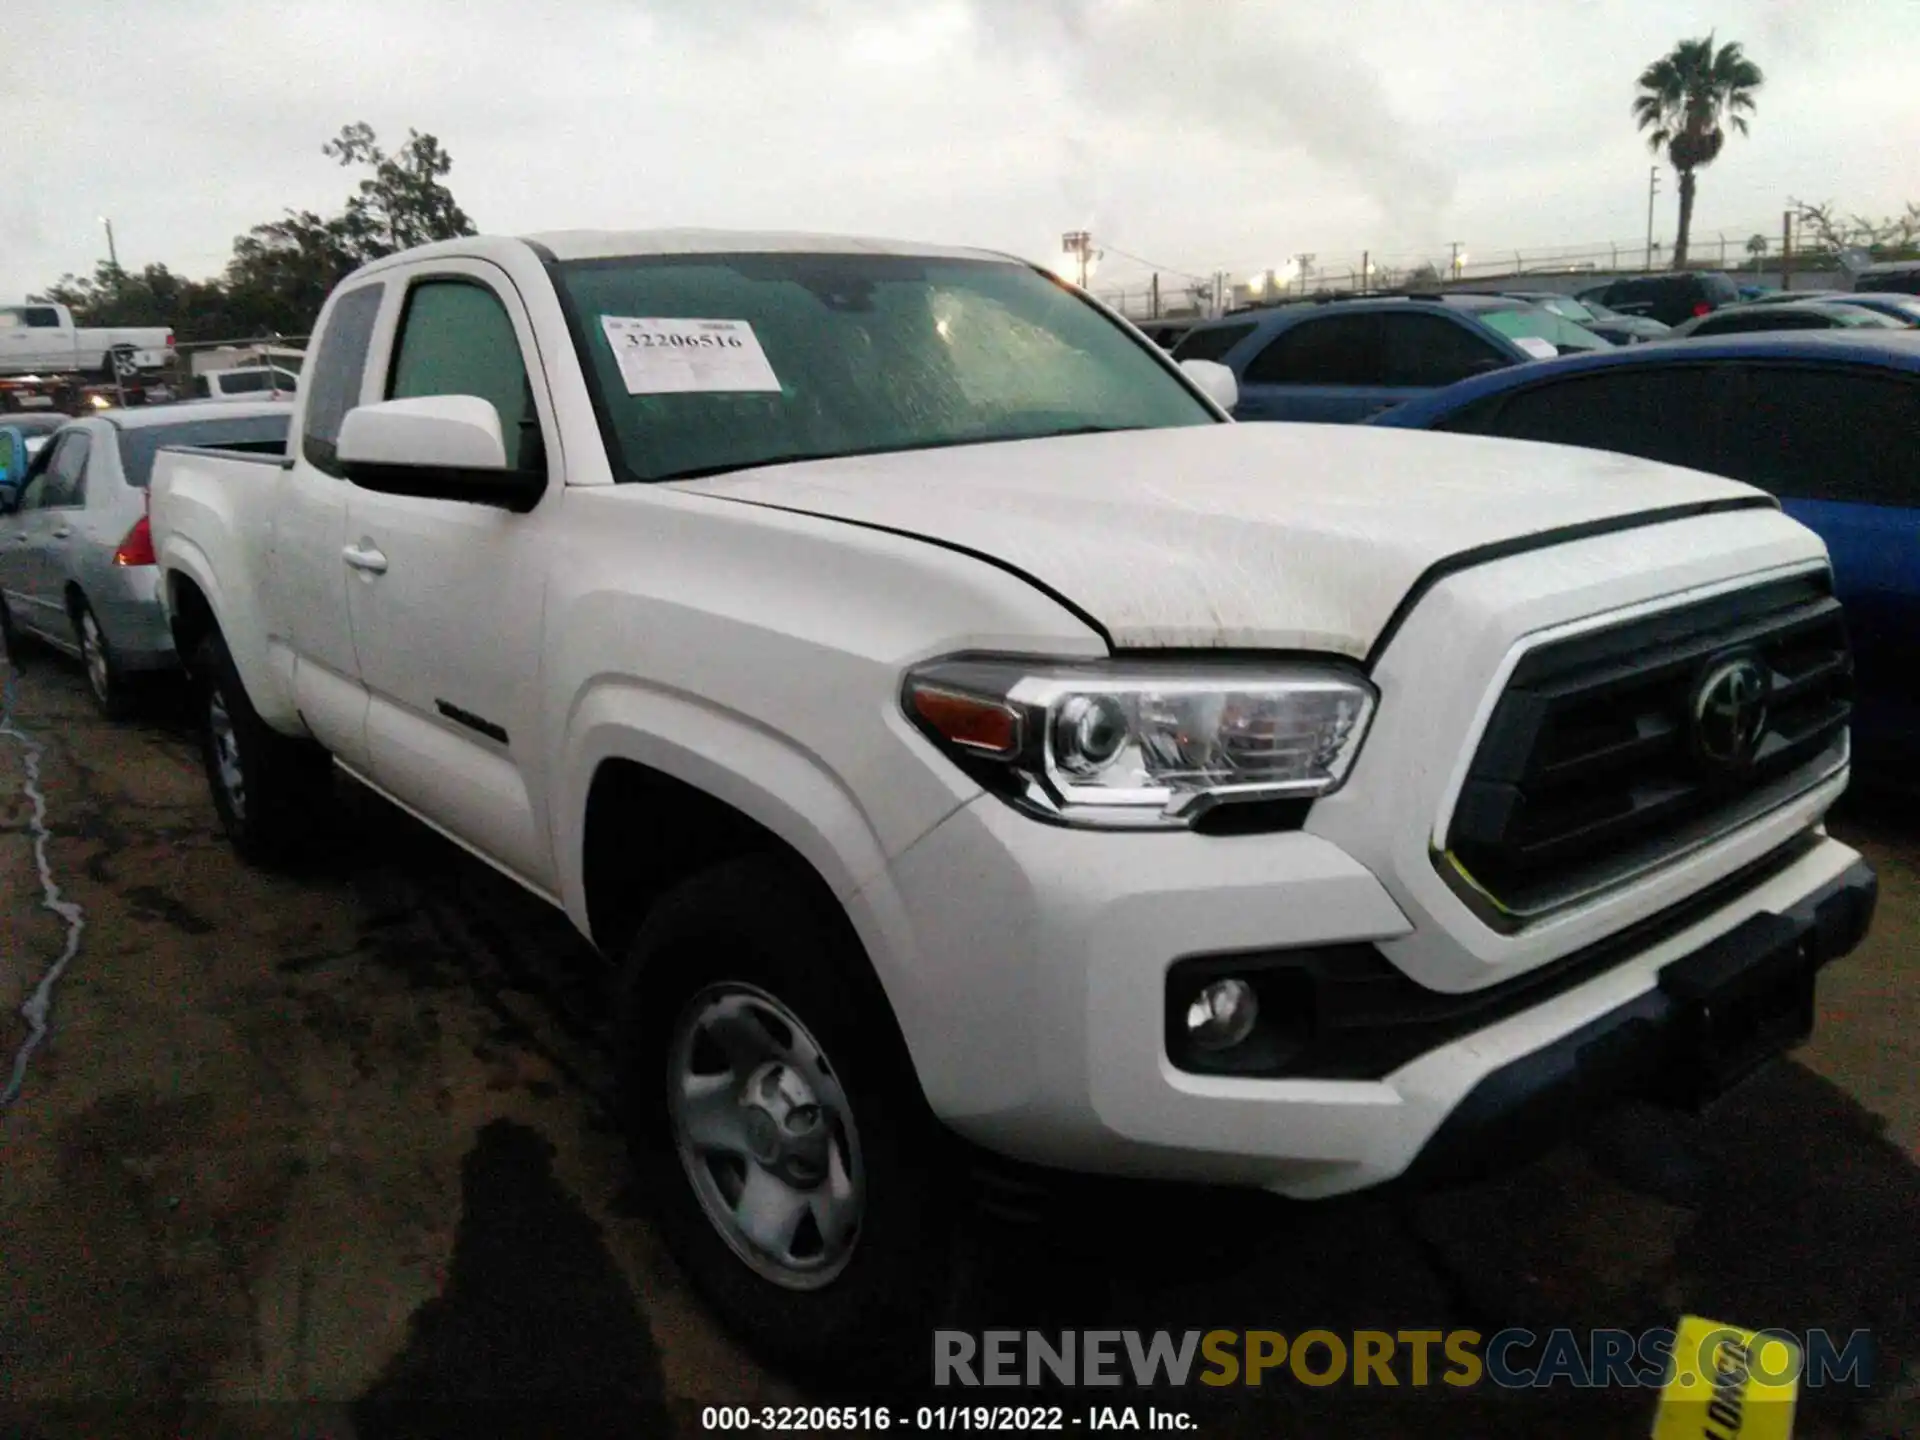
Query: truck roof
608	244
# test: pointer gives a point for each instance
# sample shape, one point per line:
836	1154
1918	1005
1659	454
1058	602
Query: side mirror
1216	380
437	447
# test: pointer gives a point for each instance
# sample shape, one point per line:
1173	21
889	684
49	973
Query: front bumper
1034	1002
1662	1045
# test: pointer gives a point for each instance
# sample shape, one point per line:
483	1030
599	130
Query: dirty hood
1252	536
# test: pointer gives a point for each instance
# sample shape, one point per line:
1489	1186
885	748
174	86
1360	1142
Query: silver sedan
76	557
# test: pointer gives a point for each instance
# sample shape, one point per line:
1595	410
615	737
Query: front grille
1591	769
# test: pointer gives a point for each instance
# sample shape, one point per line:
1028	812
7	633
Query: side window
1431	350
6	452
1808	434
1211	344
1654	412
243	382
42	317
456	338
338	371
67	471
1327	350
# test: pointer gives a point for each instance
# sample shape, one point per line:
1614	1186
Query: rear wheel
790	1162
271	792
14	641
112	691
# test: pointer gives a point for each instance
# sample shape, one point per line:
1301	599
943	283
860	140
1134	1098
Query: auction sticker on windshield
678	357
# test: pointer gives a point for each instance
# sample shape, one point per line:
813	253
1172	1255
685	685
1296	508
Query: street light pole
1653	188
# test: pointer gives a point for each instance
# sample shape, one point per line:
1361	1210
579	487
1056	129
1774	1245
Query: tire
724	951
112	689
272	793
17	645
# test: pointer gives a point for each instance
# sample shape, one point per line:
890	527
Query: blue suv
1828	421
1341	360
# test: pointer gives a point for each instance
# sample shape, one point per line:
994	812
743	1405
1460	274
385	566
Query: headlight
1144	743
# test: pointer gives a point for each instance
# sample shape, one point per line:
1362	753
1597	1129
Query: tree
1756	248
403	203
281	271
1685	98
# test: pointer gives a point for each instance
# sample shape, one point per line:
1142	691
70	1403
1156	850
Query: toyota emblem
1730	711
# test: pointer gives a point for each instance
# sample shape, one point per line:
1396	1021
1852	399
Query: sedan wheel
103	676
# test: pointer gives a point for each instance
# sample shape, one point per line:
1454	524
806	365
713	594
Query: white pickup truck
965	741
41	339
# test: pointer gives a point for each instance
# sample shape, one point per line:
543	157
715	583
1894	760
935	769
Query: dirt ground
343	1140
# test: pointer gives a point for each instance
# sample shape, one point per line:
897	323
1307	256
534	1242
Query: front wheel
791	1164
271	792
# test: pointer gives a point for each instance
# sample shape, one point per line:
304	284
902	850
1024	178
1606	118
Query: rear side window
338	370
67	471
457	339
1211	344
1655	412
1328	350
243	382
1428	351
1813	434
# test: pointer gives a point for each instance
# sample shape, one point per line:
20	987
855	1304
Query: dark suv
1671	298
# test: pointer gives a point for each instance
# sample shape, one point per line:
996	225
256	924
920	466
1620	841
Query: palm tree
1684	97
1756	247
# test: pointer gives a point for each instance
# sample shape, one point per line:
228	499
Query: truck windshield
252	434
708	363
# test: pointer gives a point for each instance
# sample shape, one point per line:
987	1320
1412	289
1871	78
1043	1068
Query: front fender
764	776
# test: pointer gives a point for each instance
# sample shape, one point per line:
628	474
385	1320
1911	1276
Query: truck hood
1259	536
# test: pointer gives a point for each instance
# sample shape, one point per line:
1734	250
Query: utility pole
1306	266
1653	189
1153	297
1786	249
1079	244
1453	265
113	255
1366	269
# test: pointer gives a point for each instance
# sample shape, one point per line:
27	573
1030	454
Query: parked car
1893	304
1900	275
38	339
1801	315
1759	292
246	383
1827	421
1671	297
952	729
1342	360
76	554
1591	316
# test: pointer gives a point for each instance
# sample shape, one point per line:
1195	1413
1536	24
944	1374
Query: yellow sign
1728	1384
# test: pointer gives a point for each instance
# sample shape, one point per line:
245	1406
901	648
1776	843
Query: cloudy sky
1201	135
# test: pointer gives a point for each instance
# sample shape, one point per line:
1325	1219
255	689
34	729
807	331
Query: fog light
1222	1015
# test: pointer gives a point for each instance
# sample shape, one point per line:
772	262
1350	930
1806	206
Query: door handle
368	559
